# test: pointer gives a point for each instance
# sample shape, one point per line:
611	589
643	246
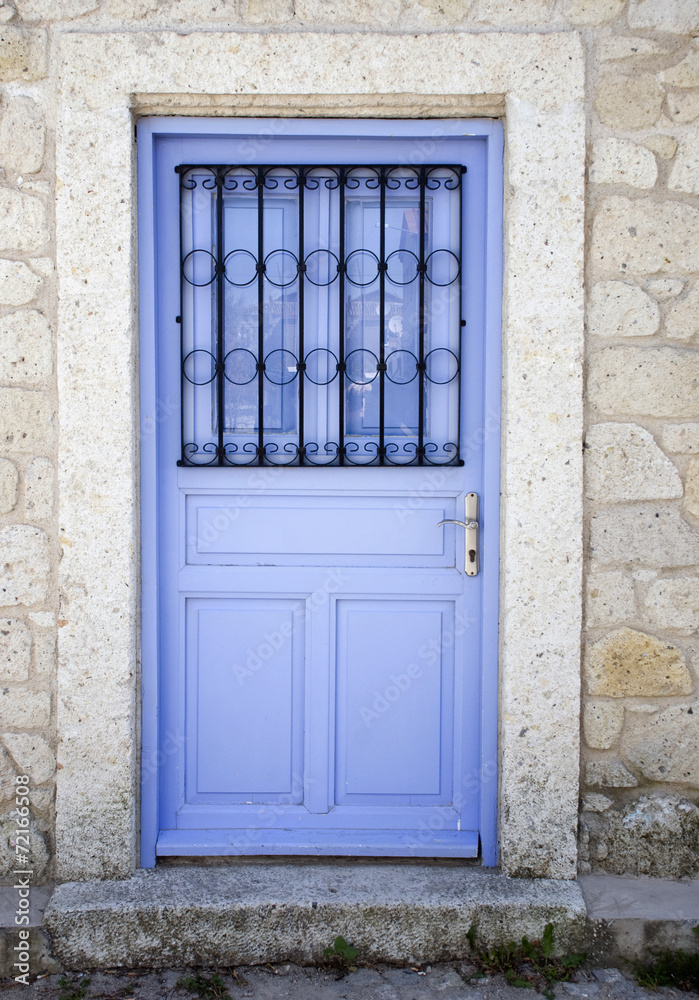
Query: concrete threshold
253	914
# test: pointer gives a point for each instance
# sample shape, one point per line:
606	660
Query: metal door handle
470	523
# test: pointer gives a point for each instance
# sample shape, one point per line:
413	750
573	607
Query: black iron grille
320	318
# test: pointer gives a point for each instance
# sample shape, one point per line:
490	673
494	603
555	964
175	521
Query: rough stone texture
623	462
664	145
22	135
591	12
628	664
251	914
611	48
22	53
674	603
45	656
684	175
18	284
678	16
655	835
691	497
616	309
40	855
664	746
8	485
618	161
608	773
32	755
629	102
26	352
25	421
609	599
683	108
680	438
665	288
15	649
640	236
602	722
656	537
23	222
20	709
596	802
658	381
24	565
685	73
529	12
269	11
682	322
49	10
39	489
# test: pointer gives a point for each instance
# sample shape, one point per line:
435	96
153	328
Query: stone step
247	914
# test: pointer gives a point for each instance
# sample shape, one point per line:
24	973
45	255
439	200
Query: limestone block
682	322
691	488
649	536
22	53
40	856
24	565
23	222
663	145
591	12
129	10
623	462
32	755
675	16
602	723
645	237
619	310
22	137
654	835
665	746
618	161
26	352
269	11
653	381
15	649
683	108
50	10
608	774
39	489
616	47
501	13
631	664
25	421
348	11
8	485
674	603
7	777
21	709
609	599
665	288
684	175
629	102
682	439
45	655
685	73
596	802
18	285
436	12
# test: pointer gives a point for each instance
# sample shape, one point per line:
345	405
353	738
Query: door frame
155	745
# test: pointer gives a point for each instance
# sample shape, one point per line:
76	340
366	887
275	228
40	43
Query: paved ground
290	982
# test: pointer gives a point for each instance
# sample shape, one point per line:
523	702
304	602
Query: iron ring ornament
356	280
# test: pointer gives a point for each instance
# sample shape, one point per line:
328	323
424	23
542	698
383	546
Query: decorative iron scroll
320	315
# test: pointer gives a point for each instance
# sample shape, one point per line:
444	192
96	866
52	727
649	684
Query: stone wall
640	768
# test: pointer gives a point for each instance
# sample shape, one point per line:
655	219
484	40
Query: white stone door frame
105	80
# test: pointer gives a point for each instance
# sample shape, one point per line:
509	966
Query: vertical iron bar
421	326
220	292
301	278
382	308
462	321
341	318
181	319
260	316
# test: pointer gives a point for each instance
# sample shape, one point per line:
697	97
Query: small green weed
341	953
530	965
75	988
670	968
211	988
